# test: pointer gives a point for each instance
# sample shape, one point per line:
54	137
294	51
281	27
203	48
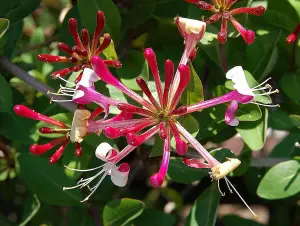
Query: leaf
254	133
110	51
5	96
152	217
134	65
158	147
4	25
204	211
31	207
287	148
88	10
281	181
139	13
191	124
120	212
290	84
47	181
232	220
280	120
22	10
193	93
279	19
295	119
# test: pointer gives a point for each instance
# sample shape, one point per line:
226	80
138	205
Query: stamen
254	214
61	101
222	193
87	170
263	88
268	93
266	105
264	82
71	83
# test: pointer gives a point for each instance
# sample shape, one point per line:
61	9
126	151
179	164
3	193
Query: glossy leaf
47	181
31	207
4	25
281	181
22	9
120	212
5	96
204	210
290	84
152	217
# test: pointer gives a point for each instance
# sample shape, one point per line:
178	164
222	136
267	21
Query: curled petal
195	163
105	152
89	77
119	175
230	118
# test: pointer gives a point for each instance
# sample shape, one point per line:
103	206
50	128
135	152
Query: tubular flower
84	49
293	36
118	174
218	170
222	11
75	134
242	94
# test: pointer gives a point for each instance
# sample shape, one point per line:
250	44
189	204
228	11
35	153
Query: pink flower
242	94
221	10
81	53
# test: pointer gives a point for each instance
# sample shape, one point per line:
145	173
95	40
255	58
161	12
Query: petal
230	118
237	76
105	152
195	163
88	78
119	175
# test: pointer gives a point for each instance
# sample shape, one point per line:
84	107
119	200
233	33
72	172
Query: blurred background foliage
266	140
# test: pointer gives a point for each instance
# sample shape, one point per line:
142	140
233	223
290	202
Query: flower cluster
150	115
81	53
222	11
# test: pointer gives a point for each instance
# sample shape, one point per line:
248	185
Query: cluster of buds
151	115
84	49
293	36
222	11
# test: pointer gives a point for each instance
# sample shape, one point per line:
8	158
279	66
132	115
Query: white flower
238	78
118	174
190	26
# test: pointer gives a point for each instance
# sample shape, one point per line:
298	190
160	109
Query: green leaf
295	119
31	207
4	25
152	217
110	51
193	93
134	65
290	84
281	181
191	125
279	19
280	120
158	147
140	12
120	212
254	133
231	220
245	158
88	10
287	148
5	96
47	181
204	211
22	10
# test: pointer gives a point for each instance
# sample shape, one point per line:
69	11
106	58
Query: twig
223	58
36	84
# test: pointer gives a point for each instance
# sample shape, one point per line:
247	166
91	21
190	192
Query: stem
36	84
293	58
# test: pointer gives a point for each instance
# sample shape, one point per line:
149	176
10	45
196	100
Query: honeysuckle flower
82	124
218	170
293	36
222	10
118	174
242	94
84	49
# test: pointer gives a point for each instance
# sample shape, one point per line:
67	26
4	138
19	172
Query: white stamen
222	193
71	83
67	88
264	82
266	105
229	183
263	88
61	100
228	186
268	93
87	170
